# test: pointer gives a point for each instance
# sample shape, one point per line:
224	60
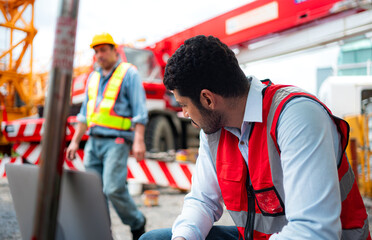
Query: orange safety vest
254	202
104	115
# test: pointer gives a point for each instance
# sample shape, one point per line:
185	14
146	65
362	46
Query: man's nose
98	54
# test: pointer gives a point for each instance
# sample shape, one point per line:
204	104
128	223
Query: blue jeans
109	160
216	233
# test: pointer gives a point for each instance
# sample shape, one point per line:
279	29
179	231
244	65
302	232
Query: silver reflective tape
274	157
268	224
357	233
213	142
346	183
239	218
264	224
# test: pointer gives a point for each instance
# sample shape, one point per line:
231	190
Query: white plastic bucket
134	187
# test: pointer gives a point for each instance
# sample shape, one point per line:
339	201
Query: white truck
346	95
350	98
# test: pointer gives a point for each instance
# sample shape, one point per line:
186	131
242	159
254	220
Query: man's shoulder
132	74
132	69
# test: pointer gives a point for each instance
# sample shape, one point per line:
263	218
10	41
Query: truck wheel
159	135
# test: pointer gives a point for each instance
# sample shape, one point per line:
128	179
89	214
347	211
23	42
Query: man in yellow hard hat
114	113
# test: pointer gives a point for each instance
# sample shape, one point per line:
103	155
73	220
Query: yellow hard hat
103	38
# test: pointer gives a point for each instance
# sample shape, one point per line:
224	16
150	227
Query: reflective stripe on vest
104	115
263	224
266	174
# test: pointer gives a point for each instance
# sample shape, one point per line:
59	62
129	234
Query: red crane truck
280	24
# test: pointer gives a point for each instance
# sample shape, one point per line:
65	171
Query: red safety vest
257	206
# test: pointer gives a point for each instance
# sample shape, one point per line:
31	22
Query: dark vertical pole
57	107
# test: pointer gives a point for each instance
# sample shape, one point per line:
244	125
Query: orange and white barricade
174	174
6	160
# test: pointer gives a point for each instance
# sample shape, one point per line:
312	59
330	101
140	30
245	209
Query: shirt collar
253	106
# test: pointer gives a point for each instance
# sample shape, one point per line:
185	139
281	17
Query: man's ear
208	99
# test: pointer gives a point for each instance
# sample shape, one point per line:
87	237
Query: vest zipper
249	226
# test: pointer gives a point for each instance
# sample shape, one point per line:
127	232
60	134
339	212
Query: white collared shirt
310	147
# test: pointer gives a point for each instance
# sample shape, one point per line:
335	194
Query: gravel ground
161	216
9	229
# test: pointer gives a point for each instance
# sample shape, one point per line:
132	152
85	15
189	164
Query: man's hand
71	150
179	238
74	145
139	149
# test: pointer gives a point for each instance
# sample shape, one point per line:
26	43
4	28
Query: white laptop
82	214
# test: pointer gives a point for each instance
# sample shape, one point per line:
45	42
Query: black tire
159	135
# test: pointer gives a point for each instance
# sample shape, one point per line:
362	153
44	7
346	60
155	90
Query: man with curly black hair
273	154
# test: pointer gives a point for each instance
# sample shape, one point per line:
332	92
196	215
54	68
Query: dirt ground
161	216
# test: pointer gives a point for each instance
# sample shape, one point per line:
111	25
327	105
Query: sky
128	21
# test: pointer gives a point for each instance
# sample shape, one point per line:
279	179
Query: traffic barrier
170	173
174	174
31	130
5	160
29	151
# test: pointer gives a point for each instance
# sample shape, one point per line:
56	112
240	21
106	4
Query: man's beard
211	122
